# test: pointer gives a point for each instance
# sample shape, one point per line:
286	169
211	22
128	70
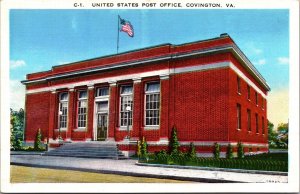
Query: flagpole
118	34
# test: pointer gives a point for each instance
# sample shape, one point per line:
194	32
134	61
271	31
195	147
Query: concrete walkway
129	167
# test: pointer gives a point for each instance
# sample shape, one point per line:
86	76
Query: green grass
21	174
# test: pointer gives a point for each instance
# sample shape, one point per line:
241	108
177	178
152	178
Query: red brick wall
36	115
200	105
242	99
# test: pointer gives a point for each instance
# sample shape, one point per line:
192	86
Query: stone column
137	100
71	111
90	113
164	106
112	110
52	114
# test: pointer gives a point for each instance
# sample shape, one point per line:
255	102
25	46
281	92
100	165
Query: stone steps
88	150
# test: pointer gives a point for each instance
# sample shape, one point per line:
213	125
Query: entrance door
101	122
101	126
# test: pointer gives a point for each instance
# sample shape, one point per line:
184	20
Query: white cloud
283	60
17	95
278	106
260	62
17	63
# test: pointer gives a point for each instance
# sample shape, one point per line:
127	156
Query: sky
40	39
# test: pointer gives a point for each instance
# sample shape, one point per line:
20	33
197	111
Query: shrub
216	150
138	149
229	153
162	157
192	151
144	149
38	141
174	144
240	151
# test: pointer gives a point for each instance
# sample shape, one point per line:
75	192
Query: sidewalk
129	167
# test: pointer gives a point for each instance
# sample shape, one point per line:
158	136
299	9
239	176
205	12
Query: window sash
239	120
238	84
263	125
256	122
82	113
249	120
152	106
63	118
249	94
102	92
126	100
82	95
256	98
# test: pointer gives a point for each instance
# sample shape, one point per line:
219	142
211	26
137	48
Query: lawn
21	174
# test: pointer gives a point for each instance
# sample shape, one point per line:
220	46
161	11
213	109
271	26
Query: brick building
208	89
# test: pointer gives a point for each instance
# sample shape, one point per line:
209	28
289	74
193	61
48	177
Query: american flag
126	27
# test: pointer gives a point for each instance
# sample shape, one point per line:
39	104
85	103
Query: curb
215	169
26	153
203	180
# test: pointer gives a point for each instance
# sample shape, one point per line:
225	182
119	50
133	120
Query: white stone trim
62	129
200	67
163	77
83	129
112	83
246	79
136	80
163	73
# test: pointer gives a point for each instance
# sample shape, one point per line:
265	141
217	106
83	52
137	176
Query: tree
240	151
216	150
144	149
229	153
192	151
17	128
272	135
282	137
38	141
174	144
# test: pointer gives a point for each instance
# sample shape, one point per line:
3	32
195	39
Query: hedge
246	163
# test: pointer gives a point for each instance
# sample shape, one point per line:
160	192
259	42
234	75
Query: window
262	103
102	92
256	122
152	102
263	125
82	108
239	116
249	120
125	101
63	110
238	84
256	98
248	92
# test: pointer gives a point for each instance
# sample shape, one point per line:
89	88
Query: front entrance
101	126
101	120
